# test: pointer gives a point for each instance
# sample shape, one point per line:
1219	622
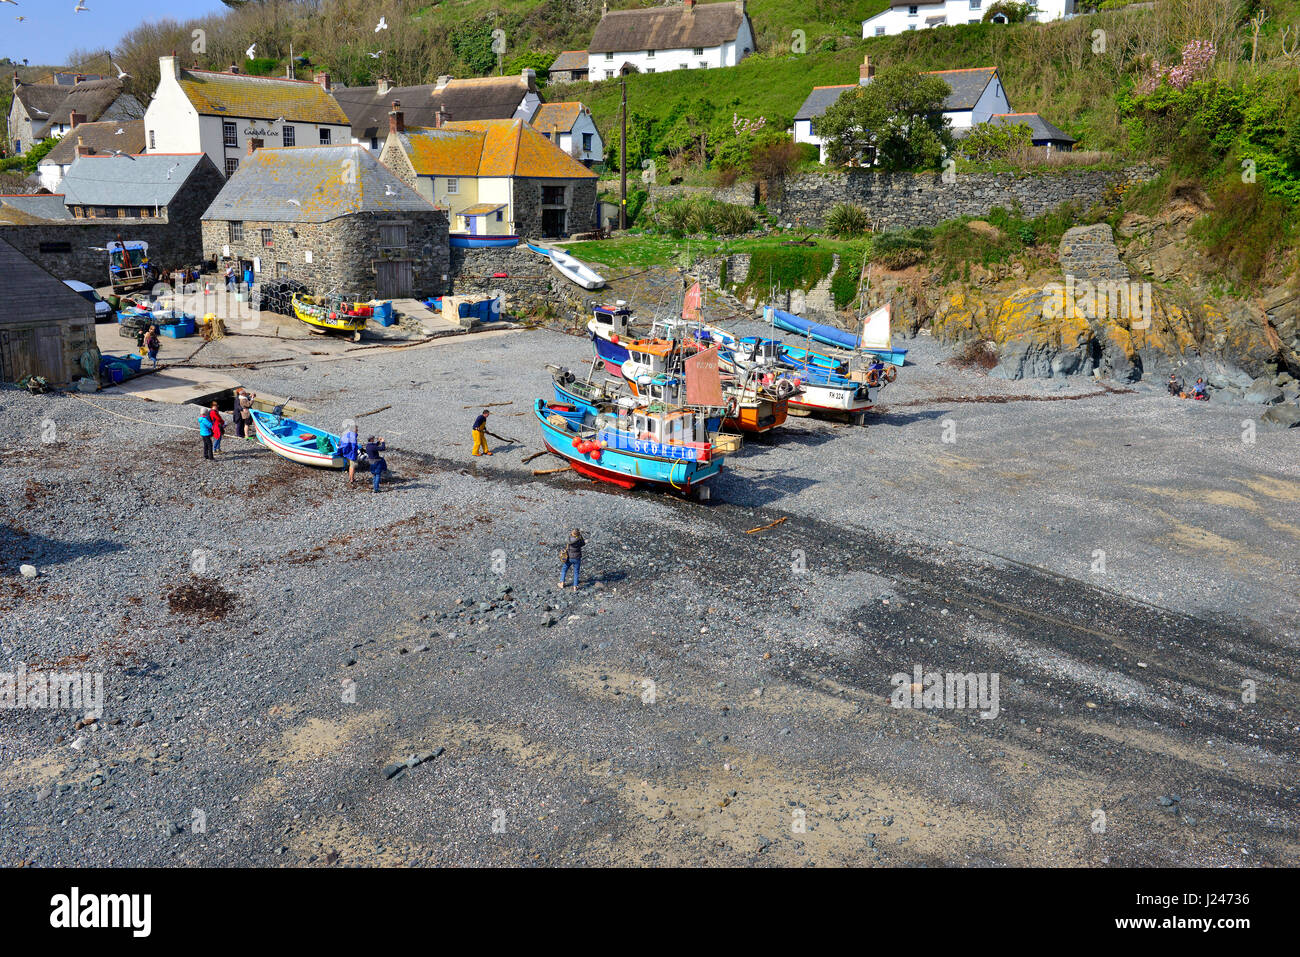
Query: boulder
1285	416
1263	392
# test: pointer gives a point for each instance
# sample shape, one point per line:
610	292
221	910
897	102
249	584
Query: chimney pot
81	149
77	119
396	119
324	80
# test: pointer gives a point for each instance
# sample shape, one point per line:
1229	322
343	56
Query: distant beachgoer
572	554
151	344
205	433
1198	390
230	278
480	434
350	448
377	464
248	276
217	422
245	412
1174	385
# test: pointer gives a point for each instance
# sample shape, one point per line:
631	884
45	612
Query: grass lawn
641	251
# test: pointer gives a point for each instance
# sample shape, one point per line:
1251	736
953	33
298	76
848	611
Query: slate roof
820	100
38	206
667	28
967	86
1039	127
489	148
570	60
557	116
30	293
99	137
327	182
152	179
90	99
255	97
477	98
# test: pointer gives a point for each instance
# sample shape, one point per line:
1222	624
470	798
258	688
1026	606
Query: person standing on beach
151	344
230	277
350	448
377	464
572	554
205	433
480	434
244	409
214	414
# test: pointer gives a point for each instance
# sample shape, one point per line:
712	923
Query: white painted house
570	127
904	15
693	36
977	96
226	115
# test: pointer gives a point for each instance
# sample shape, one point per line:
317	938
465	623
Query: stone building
45	326
693	36
155	198
332	218
89	139
494	177
569	67
39	111
429	104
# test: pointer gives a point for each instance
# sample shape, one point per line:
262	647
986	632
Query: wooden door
394	280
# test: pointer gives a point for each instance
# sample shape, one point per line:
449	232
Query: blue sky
52	30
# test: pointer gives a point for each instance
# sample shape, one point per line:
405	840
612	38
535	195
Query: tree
987	141
896	122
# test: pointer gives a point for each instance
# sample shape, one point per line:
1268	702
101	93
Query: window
145	213
609	74
236	232
392	236
586	141
374	143
704	64
698	51
911	26
911	11
289	137
229	133
232	164
609	56
546	136
153	140
324	136
552	195
281	270
501	215
683	66
649	69
975	4
453	186
649	54
267	239
880	31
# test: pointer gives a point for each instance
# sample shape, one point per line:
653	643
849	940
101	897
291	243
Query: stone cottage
45	326
494	177
39	111
332	218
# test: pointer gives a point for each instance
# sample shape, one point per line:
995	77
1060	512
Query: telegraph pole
622	164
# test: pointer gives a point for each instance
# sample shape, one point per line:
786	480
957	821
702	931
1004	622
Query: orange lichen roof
240	95
481	209
489	148
557	116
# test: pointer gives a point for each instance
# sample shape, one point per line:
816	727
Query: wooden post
622	164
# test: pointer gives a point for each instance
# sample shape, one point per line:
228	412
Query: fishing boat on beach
297	441
820	390
331	314
608	326
875	340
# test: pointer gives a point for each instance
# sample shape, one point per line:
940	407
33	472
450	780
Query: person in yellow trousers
480	434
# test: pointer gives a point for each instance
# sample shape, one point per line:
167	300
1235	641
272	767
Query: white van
103	311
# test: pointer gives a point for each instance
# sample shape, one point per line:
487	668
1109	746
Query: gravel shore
298	672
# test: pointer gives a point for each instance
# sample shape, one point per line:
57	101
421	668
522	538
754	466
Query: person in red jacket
214	414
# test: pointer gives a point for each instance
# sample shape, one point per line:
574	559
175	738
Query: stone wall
904	200
344	251
745	193
580	196
530	284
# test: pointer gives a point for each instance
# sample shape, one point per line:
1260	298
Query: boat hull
467	241
623	468
323	321
830	400
609	352
264	426
830	336
761	417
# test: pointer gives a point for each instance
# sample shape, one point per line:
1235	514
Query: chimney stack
324	80
442	82
77	119
384	86
169	66
866	71
441	118
252	146
82	149
17	82
396	119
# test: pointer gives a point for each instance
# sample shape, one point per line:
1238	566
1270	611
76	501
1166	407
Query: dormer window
911	11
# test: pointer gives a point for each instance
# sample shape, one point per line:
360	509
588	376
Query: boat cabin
755	351
615	320
676	427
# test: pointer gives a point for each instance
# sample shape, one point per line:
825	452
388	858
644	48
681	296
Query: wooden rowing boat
298	442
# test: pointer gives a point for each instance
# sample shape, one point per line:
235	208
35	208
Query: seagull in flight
15	3
252	48
19	19
121	74
383	24
81	7
377	55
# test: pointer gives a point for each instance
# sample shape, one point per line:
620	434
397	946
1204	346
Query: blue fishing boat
655	446
297	441
473	241
838	338
608	326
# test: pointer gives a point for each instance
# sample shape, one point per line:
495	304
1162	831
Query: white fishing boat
570	268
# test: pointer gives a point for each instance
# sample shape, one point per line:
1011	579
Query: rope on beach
165	425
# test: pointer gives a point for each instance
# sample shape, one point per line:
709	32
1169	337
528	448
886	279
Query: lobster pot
860	375
726	444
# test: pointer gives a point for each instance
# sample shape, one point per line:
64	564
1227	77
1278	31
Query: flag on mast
692	303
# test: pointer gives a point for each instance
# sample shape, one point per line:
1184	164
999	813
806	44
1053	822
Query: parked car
103	311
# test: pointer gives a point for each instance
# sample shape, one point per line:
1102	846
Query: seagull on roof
388	190
130	157
252	48
175	166
383	24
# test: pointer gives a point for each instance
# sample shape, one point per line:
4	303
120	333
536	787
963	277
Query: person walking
214	414
572	554
230	277
205	433
377	464
480	434
350	448
151	344
244	409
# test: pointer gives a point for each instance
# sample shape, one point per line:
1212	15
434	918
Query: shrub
689	215
1014	12
844	284
846	220
900	248
1244	229
987	141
